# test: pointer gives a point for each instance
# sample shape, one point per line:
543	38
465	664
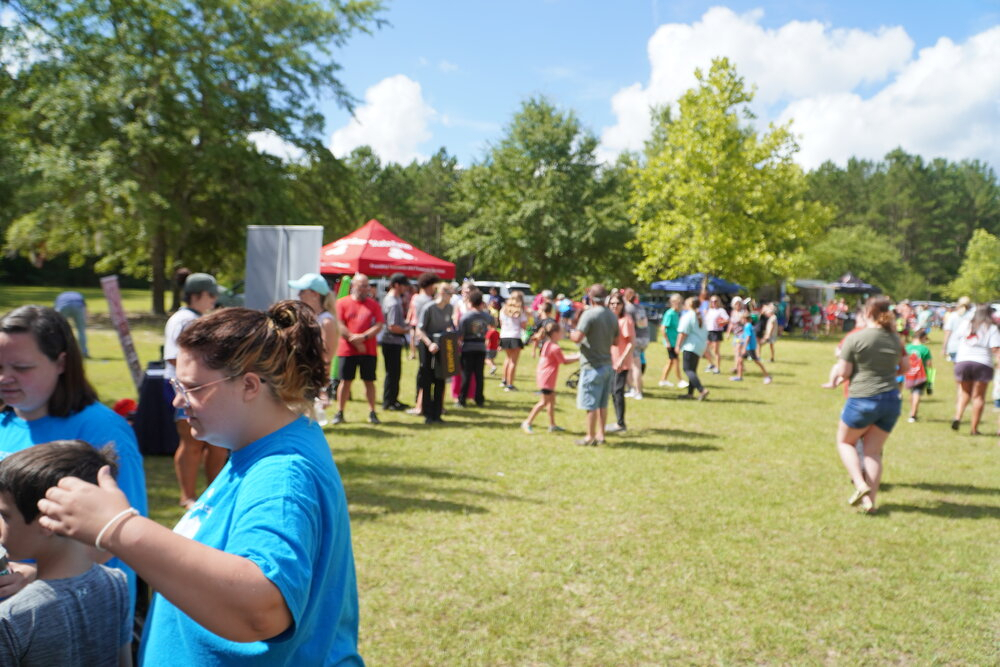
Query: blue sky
858	78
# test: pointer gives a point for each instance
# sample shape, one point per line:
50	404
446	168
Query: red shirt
492	339
359	316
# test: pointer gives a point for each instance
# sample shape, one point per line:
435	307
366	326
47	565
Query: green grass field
710	533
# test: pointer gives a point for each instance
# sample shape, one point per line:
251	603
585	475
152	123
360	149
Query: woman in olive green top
871	359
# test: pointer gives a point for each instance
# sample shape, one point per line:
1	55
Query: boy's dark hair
475	297
546	307
28	474
427	279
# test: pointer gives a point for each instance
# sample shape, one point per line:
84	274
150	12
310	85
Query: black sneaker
373	418
338	418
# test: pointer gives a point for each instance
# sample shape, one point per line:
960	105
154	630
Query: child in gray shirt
76	612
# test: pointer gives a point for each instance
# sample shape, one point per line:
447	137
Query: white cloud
943	101
446	66
267	141
393	120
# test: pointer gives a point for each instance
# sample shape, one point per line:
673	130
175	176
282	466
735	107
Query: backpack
916	374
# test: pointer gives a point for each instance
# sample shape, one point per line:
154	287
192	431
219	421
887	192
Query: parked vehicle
505	288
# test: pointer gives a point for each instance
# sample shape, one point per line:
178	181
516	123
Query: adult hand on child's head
21	574
79	509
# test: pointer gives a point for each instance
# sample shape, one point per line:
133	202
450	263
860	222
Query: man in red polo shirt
360	319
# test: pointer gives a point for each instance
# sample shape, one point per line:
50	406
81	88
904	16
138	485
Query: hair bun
284	314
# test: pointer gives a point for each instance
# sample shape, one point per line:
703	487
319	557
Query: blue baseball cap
313	281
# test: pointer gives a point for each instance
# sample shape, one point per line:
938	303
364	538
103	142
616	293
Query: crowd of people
260	569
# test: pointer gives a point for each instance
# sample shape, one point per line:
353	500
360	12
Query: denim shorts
880	410
594	388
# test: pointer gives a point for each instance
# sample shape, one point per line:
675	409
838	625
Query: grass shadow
672	448
946	510
950	488
356	468
375	491
676	433
378	505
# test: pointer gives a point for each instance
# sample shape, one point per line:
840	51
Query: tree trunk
158	261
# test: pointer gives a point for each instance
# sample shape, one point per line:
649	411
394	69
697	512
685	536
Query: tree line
126	144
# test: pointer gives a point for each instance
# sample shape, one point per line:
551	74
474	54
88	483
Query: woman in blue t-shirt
260	571
45	396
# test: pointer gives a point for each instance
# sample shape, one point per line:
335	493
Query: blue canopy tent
692	283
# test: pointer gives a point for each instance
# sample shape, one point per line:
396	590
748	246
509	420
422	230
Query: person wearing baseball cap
315	292
392	339
312	282
200	294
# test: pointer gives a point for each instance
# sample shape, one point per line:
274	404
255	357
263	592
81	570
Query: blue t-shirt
98	425
278	502
696	337
749	337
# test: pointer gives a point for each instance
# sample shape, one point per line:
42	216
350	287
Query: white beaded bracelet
131	511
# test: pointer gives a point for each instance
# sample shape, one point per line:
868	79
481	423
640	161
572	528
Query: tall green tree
927	210
540	208
979	277
714	195
135	117
413	200
860	250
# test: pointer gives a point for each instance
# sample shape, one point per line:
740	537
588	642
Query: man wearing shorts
595	333
360	319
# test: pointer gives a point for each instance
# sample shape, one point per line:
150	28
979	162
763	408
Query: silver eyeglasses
185	392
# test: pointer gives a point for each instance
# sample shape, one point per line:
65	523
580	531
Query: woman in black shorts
978	347
512	322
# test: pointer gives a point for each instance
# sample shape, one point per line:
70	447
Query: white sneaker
767	380
666	383
683	384
630	393
526	427
637	395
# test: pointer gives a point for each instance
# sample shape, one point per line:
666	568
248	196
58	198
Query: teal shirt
671	319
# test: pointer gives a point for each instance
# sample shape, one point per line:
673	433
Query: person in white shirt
978	352
200	294
716	319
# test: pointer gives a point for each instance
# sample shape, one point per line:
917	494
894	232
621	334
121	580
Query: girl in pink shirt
546	375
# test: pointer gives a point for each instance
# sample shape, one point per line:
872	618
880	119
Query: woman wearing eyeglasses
45	396
621	358
260	571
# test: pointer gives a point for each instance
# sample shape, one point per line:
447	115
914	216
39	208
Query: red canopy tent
375	251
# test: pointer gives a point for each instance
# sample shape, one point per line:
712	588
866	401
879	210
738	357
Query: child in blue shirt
748	350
